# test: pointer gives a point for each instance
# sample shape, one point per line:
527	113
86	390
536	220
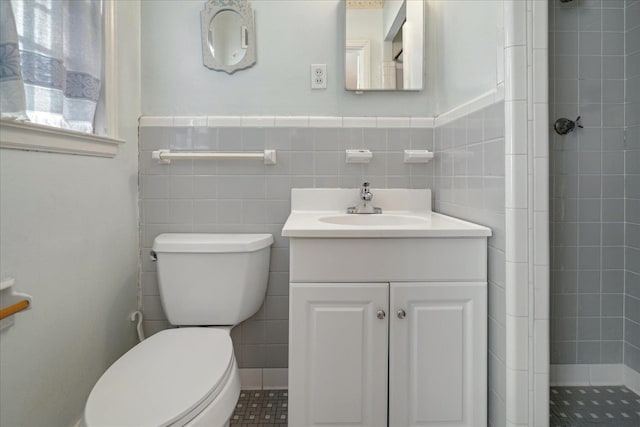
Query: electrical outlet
318	76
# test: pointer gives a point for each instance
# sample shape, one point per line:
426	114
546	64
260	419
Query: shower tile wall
632	183
247	196
469	183
587	182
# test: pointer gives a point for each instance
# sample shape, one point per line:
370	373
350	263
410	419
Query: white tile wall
469	183
527	258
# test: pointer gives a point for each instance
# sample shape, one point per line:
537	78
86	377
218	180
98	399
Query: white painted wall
390	13
291	35
466	36
69	236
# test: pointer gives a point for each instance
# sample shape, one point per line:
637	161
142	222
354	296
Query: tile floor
258	408
610	406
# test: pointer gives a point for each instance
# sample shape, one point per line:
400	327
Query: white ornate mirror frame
242	8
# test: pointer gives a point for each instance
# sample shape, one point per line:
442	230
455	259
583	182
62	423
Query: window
52	71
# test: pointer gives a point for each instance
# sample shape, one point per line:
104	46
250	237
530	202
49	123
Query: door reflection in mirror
384	44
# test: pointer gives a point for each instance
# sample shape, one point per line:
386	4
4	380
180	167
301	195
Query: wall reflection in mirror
384	48
228	37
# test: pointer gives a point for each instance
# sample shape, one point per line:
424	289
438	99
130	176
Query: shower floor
614	406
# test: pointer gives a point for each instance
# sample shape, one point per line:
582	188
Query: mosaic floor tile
613	406
609	406
256	408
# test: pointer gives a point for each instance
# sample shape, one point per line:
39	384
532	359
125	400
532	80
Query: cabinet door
438	354
338	354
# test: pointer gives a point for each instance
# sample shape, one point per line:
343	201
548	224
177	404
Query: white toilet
188	376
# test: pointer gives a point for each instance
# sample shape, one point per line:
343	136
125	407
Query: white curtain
60	47
12	102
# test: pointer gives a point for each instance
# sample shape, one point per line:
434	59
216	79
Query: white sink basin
373	219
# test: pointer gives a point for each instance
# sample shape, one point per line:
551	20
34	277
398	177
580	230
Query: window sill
34	137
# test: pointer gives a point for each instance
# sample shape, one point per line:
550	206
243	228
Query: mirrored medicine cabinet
384	47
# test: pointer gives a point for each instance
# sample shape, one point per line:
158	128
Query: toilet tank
212	279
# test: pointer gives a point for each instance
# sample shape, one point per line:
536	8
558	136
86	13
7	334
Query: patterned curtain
60	61
12	102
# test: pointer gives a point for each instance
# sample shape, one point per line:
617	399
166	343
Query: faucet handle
365	194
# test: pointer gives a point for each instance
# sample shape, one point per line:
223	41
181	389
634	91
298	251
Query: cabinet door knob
401	314
381	314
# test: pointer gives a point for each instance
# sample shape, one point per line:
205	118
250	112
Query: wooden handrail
14	308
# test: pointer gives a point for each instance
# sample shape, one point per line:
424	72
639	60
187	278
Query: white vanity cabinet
438	354
338	357
387	313
396	354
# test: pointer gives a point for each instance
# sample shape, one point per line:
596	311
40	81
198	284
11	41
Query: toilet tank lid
210	242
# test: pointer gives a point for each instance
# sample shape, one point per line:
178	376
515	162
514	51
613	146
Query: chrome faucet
364	207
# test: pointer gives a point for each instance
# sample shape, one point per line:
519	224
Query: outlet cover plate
318	76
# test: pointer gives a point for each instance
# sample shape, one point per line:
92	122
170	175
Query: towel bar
165	156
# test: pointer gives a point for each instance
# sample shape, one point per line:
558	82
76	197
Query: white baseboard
561	375
597	375
264	378
632	379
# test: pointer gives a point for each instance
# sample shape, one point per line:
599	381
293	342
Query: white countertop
312	208
308	224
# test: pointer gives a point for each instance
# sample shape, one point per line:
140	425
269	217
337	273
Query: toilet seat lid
162	379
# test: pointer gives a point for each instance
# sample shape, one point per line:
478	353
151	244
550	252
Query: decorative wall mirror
228	35
384	48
